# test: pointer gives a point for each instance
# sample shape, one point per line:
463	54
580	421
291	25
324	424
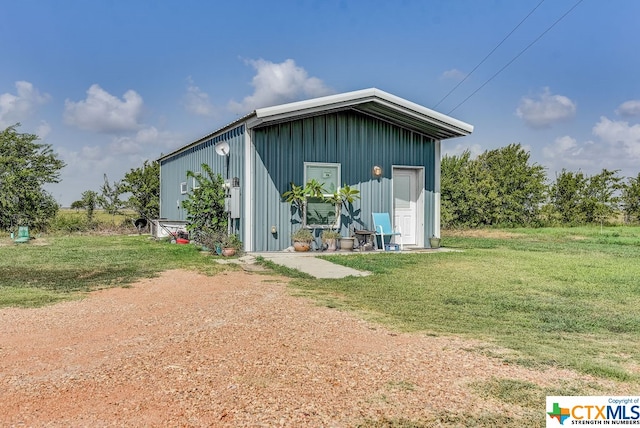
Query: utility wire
516	57
488	55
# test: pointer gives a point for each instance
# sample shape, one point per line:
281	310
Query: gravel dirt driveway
234	349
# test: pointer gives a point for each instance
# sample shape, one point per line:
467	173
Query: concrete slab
309	263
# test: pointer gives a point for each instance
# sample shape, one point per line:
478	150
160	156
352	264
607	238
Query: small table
365	239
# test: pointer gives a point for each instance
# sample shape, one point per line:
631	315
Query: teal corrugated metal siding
173	170
357	142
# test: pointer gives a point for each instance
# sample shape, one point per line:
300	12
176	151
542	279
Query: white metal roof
373	102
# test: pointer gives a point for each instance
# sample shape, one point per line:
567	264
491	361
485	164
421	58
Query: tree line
138	190
502	187
26	166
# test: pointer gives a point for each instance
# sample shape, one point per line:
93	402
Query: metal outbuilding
383	145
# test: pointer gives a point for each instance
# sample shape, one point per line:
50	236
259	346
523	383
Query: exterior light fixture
377	171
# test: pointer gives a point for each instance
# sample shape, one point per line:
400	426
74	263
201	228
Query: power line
516	57
489	54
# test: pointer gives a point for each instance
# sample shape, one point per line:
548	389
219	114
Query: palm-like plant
345	197
298	195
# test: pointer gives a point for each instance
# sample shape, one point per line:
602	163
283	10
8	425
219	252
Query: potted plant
230	245
330	237
302	239
219	242
344	197
298	196
434	242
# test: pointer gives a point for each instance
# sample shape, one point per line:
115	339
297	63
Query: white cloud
102	112
616	147
279	83
197	101
567	152
147	140
15	108
565	148
629	108
43	129
546	109
92	153
453	74
620	135
113	155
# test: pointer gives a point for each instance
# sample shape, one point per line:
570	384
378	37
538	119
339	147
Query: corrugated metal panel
356	141
173	169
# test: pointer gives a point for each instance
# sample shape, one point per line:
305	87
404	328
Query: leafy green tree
519	186
144	185
205	204
602	196
109	198
500	187
455	182
89	202
566	197
25	167
577	199
630	199
483	199
76	205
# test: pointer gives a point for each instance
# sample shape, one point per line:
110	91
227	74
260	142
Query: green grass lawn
565	297
55	268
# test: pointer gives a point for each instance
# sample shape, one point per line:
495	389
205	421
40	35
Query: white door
405	206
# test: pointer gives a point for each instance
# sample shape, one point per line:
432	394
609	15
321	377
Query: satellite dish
222	148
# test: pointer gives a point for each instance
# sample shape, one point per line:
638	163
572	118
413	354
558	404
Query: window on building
318	212
196	185
183	187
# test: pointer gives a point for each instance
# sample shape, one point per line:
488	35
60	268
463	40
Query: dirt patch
231	350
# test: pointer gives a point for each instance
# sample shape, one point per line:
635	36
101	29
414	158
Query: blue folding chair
382	226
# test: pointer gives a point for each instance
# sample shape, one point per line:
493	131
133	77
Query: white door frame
418	175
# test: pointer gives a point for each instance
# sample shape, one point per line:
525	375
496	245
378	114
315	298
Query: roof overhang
372	102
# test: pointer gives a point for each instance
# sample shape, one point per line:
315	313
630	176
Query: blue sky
111	83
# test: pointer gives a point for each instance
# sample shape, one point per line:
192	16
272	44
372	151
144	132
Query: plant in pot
297	196
230	244
302	239
218	241
344	197
434	242
330	238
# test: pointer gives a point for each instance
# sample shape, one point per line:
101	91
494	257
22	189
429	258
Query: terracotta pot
301	246
228	252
